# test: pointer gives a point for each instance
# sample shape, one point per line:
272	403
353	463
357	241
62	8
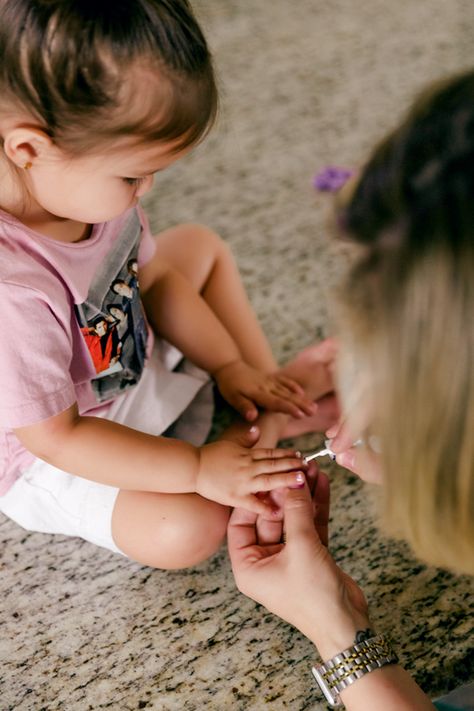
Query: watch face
331	698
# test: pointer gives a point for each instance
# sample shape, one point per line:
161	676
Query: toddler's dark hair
92	71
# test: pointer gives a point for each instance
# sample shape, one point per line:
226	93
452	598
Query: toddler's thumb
298	513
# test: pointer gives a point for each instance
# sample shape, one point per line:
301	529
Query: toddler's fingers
277	466
268	482
280	453
307	406
296	407
290	384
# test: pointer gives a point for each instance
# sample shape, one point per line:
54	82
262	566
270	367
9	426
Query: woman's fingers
241	532
321	506
298	512
363	462
261	507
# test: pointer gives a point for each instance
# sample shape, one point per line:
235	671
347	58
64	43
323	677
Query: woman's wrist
339	632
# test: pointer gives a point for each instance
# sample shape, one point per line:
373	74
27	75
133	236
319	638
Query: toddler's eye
133	181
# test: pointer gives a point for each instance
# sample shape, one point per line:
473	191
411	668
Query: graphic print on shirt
112	320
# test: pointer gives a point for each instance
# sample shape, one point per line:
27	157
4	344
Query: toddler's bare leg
206	261
168	530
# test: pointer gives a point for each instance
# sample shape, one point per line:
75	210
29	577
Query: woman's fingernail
332	431
346	459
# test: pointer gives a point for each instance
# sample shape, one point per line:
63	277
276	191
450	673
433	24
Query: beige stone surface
303	84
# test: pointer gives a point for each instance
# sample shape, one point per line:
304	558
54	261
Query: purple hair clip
332	178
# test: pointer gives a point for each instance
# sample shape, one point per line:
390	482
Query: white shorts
48	500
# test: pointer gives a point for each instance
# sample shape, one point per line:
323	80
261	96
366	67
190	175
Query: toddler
95	98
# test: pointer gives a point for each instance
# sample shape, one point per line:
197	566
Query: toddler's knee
189	541
208	240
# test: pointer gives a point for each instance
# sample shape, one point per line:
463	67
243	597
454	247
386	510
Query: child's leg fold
207	263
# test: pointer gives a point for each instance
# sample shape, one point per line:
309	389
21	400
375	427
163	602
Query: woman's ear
23	145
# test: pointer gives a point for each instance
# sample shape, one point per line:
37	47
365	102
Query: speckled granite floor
304	84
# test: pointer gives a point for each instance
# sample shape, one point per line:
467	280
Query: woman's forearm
390	688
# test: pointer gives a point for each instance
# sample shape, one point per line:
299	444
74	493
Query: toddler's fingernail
252	429
300	478
298	454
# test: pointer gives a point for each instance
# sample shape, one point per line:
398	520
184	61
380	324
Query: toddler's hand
233	475
245	388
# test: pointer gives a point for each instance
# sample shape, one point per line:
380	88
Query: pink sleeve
147	246
35	357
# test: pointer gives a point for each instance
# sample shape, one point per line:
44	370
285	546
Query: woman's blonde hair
407	321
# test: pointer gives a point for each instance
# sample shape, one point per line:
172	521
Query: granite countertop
83	628
304	84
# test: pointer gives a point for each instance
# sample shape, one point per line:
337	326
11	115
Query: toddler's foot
326	416
313	368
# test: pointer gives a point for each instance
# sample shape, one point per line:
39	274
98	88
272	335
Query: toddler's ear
24	144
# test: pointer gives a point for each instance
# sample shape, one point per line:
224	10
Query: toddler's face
96	188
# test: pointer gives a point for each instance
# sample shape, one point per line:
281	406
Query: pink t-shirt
73	325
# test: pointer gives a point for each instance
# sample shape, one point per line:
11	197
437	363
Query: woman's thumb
298	513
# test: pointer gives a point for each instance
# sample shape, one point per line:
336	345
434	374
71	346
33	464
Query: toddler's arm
113	454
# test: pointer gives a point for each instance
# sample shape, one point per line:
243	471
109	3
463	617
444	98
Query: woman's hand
362	459
245	388
236	475
298	580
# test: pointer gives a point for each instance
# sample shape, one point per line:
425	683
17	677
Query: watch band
345	668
